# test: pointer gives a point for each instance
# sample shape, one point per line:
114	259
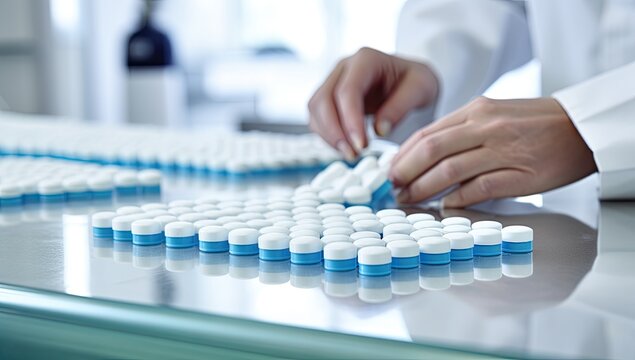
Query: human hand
369	82
492	149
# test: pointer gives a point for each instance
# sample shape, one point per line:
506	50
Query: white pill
230	204
333	212
149	177
203	223
285	223
156	212
259	223
356	195
368	225
487	224
305	245
365	234
327	239
374	255
313	227
349	179
243	236
213	233
260	209
329	175
165	219
403	248
154	206
365	242
340	251
179	229
304	209
227	219
413	218
429	232
305	232
486	236
387	220
126	178
358	209
365	165
456	228
390	212
335	219
280	205
307	203
367	216
396	237
427	224
124	222
75	184
246	216
192	217
338	231
460	240
103	219
100	183
456	220
334	224
180	210
398	228
307	215
330	206
50	187
374	179
434	245
274	229
517	233
236	225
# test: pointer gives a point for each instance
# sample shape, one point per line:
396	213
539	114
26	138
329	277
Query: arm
603	111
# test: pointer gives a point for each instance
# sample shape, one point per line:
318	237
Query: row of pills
31	180
142	146
343	238
338	284
363	184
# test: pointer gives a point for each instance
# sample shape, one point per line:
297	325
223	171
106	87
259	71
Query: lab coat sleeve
467	43
603	110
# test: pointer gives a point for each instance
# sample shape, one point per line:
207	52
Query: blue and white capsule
340	256
462	245
180	234
243	241
405	254
274	247
306	250
434	250
102	224
213	238
147	232
517	239
487	242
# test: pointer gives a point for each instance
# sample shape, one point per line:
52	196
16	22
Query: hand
369	82
492	149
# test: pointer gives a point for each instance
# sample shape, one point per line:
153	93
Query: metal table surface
577	302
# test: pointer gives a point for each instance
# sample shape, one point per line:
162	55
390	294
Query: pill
307	203
102	224
336	219
313	227
327	239
365	234
126	182
398	228
232	225
405	254
413	218
487	224
259	223
51	190
340	256
364	242
199	224
192	217
342	223
396	237
517	239
329	175
347	180
358	209
180	234
434	250
248	215
305	250
340	230
387	220
333	212
146	232
427	224
368	225
374	261
150	181
165	219
154	206
368	216
306	232
330	206
366	164
76	188
462	245
274	247
101	186
456	220
377	182
304	209
274	229
121	226
213	238
307	215
127	210
243	241
487	242
421	233
180	210
357	195
390	212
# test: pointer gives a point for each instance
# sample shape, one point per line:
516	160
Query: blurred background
226	61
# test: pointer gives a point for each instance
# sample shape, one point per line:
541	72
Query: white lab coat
587	53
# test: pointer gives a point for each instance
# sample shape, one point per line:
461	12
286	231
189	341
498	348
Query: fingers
418	87
450	171
432	149
492	185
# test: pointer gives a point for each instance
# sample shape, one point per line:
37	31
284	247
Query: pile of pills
305	231
365	183
211	151
42	180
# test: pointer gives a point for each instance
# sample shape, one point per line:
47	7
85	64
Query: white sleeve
467	43
603	110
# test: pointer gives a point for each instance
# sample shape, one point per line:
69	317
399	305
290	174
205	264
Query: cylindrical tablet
330	206
387	220
339	230
363	216
146	232
326	239
357	195
390	212
177	211
182	203
368	225
192	217
462	245
305	232
243	241
374	261
127	210
165	219
456	228
340	256
434	250
51	190
427	224
398	228
517	239
102	224
487	224
121	226
396	237
358	209
274	229
180	234
456	220
313	227
364	242
259	223
413	218
405	254
329	221
366	164
305	250
333	212
331	195
198	225
274	247
421	233
213	238
365	235
487	242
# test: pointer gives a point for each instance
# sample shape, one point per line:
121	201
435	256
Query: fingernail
403	196
383	127
358	144
346	150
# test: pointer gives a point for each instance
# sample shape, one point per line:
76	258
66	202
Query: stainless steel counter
573	297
